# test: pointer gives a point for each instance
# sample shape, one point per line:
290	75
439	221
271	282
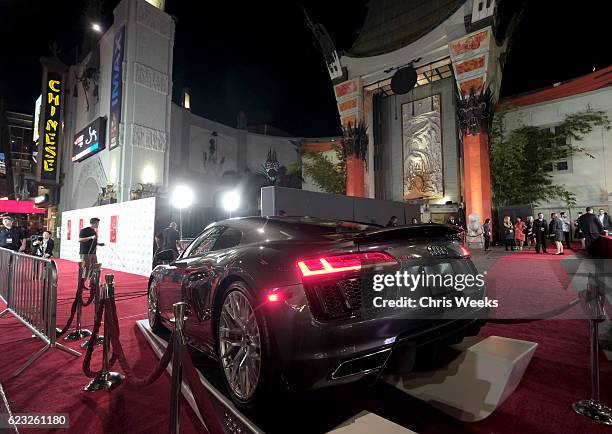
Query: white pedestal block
473	385
368	423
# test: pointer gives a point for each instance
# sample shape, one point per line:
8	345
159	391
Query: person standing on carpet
578	232
88	239
529	234
556	232
486	233
519	233
509	233
170	239
591	228
567	226
540	230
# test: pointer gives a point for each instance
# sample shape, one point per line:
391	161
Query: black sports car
290	300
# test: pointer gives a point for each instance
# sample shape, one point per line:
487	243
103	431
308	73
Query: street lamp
182	197
230	201
96	27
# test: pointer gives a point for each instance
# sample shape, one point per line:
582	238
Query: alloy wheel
239	345
152	307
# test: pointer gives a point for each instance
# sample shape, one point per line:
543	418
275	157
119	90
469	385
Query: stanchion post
106	380
94	283
79	333
592	408
177	343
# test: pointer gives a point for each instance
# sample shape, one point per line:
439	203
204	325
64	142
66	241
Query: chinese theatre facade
104	122
423	80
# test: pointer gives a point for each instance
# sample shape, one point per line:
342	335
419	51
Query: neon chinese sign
51	129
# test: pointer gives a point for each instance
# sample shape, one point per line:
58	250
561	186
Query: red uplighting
342	263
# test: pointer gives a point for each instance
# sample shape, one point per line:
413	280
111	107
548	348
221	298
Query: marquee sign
116	88
90	140
51	126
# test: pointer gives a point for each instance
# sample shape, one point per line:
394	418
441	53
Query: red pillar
355	176
477	175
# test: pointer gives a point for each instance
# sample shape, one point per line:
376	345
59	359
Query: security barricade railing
28	286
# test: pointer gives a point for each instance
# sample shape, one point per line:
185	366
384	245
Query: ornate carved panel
422	149
148	138
149	77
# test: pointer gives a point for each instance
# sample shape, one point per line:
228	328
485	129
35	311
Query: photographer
43	245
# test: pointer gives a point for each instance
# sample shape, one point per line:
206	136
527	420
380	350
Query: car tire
155	320
251	385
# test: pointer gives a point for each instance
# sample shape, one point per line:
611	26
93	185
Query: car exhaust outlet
362	365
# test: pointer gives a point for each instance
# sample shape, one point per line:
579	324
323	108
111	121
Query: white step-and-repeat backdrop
126	229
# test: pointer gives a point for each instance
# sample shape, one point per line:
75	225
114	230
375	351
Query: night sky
262	59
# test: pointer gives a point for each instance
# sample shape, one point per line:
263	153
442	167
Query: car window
229	238
204	243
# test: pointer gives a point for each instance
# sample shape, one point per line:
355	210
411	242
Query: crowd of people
538	233
13	237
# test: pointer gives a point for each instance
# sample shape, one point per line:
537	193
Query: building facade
589	179
423	77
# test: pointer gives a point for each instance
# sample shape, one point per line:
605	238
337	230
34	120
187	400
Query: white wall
590	179
132	251
145	116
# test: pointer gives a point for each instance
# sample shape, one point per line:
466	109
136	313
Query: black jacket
540	228
607	221
48	250
589	224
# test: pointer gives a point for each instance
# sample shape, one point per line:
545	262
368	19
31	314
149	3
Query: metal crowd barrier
28	286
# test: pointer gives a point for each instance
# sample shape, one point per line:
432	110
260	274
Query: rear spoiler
422	231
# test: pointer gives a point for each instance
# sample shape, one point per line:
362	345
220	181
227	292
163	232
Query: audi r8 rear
310	303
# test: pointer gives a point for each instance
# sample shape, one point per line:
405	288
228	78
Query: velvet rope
73	310
132	381
202	396
91	295
92	342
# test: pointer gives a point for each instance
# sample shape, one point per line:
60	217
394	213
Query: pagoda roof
393	24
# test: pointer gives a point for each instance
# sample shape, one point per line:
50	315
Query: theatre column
349	96
475	60
477	175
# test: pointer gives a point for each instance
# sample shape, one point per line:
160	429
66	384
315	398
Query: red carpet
54	384
557	375
528	285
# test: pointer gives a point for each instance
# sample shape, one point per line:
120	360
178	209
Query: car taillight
342	263
465	252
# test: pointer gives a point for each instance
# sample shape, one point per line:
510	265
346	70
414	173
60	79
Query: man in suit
604	219
540	230
591	228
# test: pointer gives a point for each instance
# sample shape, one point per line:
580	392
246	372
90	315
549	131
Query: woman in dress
509	233
519	233
556	233
529	234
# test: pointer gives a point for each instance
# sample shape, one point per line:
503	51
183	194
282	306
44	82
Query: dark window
562	165
229	238
203	243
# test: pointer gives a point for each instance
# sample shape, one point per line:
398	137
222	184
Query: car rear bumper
311	354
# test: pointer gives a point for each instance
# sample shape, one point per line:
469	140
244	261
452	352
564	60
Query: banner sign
90	140
116	88
52	126
113	229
